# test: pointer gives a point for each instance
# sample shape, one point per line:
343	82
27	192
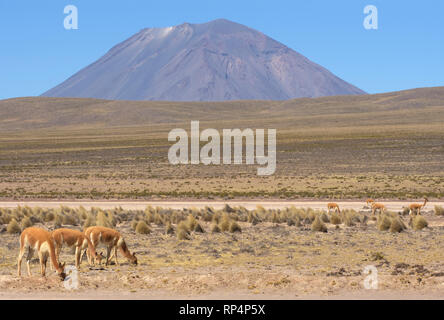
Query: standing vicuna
416	207
74	238
112	240
40	240
369	202
378	206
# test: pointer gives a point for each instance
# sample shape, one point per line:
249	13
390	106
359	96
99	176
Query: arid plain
389	147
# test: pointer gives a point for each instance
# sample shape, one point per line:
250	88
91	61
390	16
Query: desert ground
386	146
275	254
76	162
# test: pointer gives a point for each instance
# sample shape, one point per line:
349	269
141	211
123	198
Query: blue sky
407	50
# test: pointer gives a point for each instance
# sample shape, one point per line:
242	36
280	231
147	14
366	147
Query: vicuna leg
115	255
78	252
108	252
19	261
28	260
41	259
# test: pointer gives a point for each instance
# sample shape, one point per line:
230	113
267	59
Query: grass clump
383	223
439	211
234	227
335	219
419	222
318	225
224	224
324	217
102	220
397	225
215	229
142	228
182	234
26	223
198	228
13	227
169	229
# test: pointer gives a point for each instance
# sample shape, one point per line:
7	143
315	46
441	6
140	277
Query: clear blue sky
407	51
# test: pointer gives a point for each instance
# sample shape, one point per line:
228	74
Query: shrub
383	223
318	225
102	220
142	228
169	228
13	227
183	226
69	220
215	228
26	223
134	224
397	225
198	228
335	219
89	222
405	211
183	235
224	224
419	222
192	222
58	221
349	219
48	216
439	211
325	218
234	227
158	219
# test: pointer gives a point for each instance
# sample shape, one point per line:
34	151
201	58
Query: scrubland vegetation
292	250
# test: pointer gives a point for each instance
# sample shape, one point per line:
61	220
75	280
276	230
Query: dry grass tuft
234	227
335	219
13	227
397	225
419	222
142	228
439	211
318	225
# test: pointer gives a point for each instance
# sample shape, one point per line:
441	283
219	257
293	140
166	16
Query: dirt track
134	205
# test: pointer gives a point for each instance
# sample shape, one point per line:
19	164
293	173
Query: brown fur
416	207
77	239
378	206
112	240
40	240
333	206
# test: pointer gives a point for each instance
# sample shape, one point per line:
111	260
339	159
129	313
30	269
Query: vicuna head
132	258
61	272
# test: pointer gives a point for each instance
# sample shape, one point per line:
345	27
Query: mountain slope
214	61
421	106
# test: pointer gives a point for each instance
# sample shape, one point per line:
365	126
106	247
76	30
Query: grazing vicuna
74	238
416	207
40	240
378	206
369	202
333	206
112	240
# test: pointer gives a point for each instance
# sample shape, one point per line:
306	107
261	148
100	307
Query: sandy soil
264	261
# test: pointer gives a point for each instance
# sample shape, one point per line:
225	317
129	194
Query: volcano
215	61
